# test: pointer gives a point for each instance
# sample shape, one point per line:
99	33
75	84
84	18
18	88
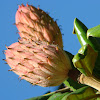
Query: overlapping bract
34	24
39	63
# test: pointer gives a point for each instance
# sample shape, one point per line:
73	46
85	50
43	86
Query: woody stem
89	81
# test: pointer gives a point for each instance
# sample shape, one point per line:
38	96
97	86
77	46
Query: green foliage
73	85
83	62
43	97
96	70
80	94
57	96
70	57
80	30
87	61
94	32
91	34
85	93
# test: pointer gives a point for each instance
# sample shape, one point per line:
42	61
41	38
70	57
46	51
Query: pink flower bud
39	63
34	24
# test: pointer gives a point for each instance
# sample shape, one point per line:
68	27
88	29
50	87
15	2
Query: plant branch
89	81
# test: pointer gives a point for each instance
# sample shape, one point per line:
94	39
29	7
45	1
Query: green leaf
80	30
43	97
70	57
57	96
54	96
96	70
85	60
73	85
81	94
47	95
94	32
85	93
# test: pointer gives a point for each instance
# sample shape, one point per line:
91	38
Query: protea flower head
34	24
39	63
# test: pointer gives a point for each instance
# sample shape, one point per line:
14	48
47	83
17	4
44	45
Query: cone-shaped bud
34	24
39	63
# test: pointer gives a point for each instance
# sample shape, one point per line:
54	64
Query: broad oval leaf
81	94
85	60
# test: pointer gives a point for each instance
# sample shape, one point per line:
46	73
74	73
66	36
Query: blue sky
88	11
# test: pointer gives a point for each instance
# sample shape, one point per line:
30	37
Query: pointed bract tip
3	51
18	6
14	23
27	5
11	69
4	59
6	46
22	5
